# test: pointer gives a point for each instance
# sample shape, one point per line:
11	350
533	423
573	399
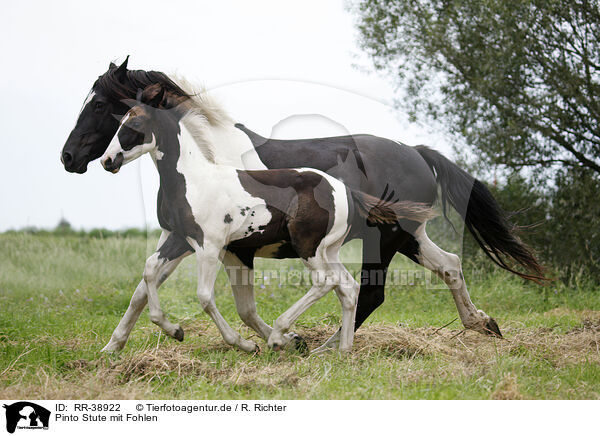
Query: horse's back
365	162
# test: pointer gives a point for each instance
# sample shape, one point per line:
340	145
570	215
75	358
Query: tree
519	81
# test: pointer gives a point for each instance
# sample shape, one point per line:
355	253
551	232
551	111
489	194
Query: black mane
113	88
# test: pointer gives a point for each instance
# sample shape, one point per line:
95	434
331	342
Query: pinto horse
366	163
216	207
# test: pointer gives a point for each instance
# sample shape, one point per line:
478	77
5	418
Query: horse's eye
99	106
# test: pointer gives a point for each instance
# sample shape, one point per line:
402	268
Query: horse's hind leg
379	247
241	278
447	266
174	250
347	291
242	283
378	251
321	285
327	273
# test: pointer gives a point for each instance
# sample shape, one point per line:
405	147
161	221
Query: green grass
61	297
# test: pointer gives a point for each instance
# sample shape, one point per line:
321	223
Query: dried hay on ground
456	354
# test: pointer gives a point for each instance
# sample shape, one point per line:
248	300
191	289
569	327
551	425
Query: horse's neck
180	154
230	145
193	155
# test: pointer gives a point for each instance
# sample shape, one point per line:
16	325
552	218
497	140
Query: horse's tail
382	211
482	214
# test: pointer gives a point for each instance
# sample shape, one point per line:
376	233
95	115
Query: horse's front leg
208	267
173	249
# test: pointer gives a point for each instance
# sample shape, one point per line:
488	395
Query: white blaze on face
113	149
115	146
89	98
136	151
123	121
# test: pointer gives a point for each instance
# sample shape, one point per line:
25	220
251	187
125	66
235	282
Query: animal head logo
26	415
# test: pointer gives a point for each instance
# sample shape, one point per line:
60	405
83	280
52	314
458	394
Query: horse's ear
122	70
111	66
153	95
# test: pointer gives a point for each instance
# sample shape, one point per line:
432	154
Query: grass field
61	297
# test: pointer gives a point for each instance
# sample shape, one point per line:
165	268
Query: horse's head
103	109
135	134
98	120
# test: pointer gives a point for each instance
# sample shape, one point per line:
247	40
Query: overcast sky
283	69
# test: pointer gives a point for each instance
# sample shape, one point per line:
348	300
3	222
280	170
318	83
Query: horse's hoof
492	329
300	344
179	334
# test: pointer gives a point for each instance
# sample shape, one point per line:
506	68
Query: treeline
65	229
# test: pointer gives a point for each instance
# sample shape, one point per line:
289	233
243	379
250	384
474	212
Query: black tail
482	214
385	211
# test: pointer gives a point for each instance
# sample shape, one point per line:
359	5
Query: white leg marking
152	276
448	267
347	292
136	305
242	283
138	302
285	320
327	273
208	266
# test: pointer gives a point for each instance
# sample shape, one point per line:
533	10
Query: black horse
377	166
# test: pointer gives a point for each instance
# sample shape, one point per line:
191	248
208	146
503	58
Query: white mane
204	113
206	105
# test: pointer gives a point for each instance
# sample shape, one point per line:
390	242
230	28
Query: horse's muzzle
113	165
